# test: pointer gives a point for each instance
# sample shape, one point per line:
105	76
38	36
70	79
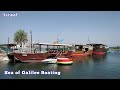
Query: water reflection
33	66
83	60
64	68
99	58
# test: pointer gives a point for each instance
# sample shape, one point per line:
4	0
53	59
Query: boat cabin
51	48
99	47
82	48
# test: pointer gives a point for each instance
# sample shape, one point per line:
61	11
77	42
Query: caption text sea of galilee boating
32	72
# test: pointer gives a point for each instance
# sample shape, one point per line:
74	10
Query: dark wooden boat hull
99	53
82	54
27	57
35	57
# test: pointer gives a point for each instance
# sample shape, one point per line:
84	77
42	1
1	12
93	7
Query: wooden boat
64	60
82	50
27	57
39	55
99	49
35	54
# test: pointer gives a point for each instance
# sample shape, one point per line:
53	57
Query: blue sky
72	26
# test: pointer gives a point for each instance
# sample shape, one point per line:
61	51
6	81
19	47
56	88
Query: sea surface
91	67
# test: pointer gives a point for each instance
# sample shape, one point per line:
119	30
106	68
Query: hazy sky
72	26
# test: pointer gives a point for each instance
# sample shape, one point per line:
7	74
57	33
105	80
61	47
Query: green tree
20	37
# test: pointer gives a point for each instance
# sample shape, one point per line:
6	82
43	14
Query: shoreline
3	56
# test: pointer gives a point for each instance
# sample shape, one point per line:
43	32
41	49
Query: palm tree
20	37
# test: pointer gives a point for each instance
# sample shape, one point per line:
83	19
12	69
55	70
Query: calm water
96	67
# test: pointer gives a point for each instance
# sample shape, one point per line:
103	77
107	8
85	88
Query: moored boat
82	50
99	49
37	55
27	57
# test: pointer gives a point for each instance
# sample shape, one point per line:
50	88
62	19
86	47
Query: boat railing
21	50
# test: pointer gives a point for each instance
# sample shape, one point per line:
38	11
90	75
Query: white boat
50	60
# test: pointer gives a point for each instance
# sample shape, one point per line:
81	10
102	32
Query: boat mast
8	40
8	46
58	37
88	40
31	40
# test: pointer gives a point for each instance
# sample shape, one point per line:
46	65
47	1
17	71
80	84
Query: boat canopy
50	44
9	45
94	44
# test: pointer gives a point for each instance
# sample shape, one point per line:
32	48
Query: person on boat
86	49
83	50
35	50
